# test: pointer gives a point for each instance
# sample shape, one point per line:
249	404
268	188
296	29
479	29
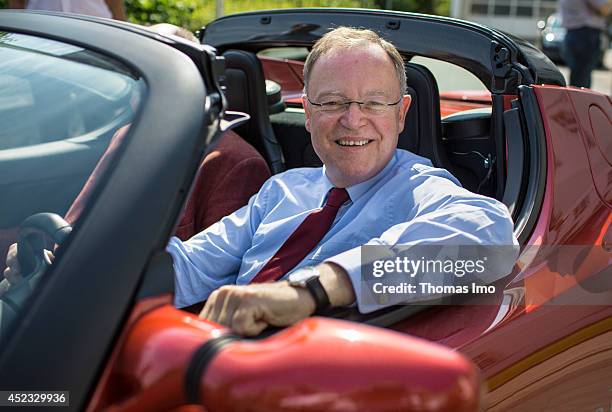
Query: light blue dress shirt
408	202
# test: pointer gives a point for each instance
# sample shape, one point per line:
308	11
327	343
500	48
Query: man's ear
307	112
405	105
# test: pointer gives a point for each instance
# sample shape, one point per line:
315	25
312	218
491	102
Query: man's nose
353	116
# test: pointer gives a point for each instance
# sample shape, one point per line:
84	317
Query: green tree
416	6
193	14
178	12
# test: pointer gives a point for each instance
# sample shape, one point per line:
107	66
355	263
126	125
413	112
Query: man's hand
249	309
12	273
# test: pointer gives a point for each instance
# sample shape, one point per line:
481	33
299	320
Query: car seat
228	176
246	92
422	132
426	134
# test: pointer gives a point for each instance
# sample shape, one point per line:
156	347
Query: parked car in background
552	34
83	96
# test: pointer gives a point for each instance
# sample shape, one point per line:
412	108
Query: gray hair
343	38
167	29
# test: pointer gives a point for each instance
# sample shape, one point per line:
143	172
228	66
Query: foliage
178	12
193	14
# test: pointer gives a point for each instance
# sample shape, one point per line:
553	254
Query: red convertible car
96	329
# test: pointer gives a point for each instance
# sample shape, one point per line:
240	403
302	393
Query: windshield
62	109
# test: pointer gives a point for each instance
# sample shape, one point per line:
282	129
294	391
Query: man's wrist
308	278
336	282
305	299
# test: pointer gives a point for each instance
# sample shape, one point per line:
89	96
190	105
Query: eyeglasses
373	107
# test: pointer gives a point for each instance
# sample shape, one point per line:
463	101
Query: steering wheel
31	240
32	235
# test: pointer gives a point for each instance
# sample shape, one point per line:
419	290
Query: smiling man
296	247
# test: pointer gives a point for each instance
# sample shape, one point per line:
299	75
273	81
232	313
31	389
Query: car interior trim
516	161
158	278
199	362
534	194
463	43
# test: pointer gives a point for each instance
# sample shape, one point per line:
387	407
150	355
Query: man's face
338	137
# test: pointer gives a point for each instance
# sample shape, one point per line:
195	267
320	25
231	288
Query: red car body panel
549	327
532	354
579	224
322	357
573	213
287	73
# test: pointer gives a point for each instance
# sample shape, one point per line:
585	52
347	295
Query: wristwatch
308	278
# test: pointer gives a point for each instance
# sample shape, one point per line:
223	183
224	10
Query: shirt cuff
350	261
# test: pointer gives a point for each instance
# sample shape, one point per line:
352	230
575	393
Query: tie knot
337	197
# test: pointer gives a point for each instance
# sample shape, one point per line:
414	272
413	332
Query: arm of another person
601	7
117	9
17	4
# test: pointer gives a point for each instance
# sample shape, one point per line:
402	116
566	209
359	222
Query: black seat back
246	92
422	132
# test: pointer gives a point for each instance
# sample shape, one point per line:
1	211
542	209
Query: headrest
422	132
274	97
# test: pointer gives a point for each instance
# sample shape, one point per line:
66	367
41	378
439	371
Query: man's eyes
373	104
342	103
334	103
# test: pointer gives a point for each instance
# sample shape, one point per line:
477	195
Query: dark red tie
307	235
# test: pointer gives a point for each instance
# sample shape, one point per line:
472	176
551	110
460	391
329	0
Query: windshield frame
98	273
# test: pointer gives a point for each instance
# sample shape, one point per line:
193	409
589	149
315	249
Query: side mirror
170	358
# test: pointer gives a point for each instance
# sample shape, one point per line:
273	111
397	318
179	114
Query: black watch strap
318	293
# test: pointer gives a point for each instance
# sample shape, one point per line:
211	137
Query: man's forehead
330	73
362	51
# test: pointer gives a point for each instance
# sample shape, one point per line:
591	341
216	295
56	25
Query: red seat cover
227	178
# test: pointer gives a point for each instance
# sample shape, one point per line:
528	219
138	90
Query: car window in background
291	53
450	77
61	108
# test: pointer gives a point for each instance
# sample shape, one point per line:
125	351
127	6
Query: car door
72	82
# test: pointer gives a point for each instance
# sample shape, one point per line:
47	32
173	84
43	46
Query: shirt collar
356	191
